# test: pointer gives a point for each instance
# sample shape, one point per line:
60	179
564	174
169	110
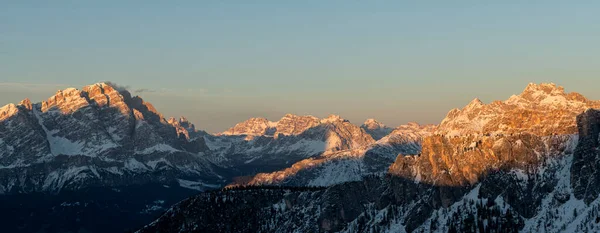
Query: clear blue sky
220	62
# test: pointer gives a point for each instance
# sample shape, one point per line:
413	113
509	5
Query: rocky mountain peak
104	94
546	88
542	109
475	103
373	124
333	118
99	88
413	124
376	129
252	127
291	124
7	111
67	101
26	103
173	121
182	119
289	116
545	93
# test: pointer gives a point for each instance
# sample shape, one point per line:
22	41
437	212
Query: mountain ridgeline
79	150
526	164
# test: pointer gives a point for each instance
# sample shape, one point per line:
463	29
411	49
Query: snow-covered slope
350	164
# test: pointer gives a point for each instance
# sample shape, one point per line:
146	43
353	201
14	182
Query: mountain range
524	164
102	138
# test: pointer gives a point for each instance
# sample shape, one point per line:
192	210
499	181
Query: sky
221	62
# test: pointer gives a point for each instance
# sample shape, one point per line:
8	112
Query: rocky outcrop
585	171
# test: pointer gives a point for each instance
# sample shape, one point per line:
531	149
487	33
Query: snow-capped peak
535	92
253	127
373	124
376	129
102	85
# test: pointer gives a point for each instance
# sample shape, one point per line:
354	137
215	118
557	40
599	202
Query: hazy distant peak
373	124
333	118
294	116
256	126
376	129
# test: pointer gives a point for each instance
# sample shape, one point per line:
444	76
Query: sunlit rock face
291	124
543	110
253	127
464	160
97	136
519	133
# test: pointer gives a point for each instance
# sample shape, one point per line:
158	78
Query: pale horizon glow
220	63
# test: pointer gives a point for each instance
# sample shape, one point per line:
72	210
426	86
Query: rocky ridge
350	164
541	109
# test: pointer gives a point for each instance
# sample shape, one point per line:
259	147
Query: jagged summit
373	124
548	88
7	111
333	118
289	124
252	127
475	103
376	129
26	103
542	109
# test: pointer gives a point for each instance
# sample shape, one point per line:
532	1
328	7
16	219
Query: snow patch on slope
308	146
134	165
337	172
158	148
59	145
